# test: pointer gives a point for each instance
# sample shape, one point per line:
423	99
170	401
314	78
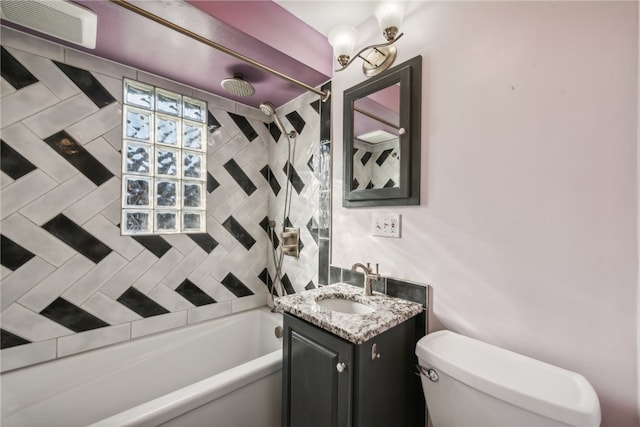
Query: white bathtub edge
161	409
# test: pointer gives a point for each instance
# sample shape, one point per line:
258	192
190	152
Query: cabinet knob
341	366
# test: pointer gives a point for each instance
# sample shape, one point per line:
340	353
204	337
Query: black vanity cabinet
331	382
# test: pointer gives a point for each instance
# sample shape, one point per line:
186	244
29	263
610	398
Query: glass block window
164	161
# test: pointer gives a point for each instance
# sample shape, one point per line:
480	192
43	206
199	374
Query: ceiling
288	36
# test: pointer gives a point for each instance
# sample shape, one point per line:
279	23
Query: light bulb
343	39
389	15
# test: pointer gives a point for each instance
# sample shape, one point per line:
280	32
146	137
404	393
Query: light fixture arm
373	46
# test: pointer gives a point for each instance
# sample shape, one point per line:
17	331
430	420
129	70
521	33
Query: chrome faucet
368	276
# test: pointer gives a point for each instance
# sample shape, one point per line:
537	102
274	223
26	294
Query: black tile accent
323	261
316	106
383	156
234	284
407	290
364	159
265	226
212	184
295	179
76	154
354	184
76	237
13	163
212	122
205	241
238	231
287	285
241	178
194	294
12	255
8	340
310	163
389	184
296	121
335	275
266	278
310	285
88	84
14	72
271	179
355	278
245	126
136	301
155	244
312	226
369	185
274	131
71	316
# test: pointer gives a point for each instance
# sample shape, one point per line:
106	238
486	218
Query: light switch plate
386	225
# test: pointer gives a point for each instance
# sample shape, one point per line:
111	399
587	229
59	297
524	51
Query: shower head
269	110
238	86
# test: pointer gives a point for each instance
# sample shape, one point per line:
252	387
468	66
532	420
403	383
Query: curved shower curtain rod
184	31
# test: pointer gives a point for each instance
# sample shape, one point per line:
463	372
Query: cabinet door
315	392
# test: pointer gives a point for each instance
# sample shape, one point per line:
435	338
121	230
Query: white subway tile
60	115
121	281
95	338
210	311
109	310
95	202
25	190
23	280
37	240
216	257
45	292
48	73
27	354
25	102
113	85
109	234
91	282
5	88
108	156
5	180
184	268
183	243
168	298
37	46
29	325
89	62
55	201
25	142
97	124
163	83
158	271
247	303
159	323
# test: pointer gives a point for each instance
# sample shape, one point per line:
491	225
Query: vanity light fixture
377	57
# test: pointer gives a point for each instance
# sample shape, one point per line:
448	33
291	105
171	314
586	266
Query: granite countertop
355	328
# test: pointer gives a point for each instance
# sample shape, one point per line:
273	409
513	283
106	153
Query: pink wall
527	230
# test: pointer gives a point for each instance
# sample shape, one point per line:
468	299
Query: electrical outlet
386	225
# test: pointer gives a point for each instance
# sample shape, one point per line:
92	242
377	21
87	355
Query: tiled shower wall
309	179
70	281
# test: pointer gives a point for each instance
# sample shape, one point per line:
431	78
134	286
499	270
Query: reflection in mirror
376	148
382	138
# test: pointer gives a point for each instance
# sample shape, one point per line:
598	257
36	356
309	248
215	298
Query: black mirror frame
409	75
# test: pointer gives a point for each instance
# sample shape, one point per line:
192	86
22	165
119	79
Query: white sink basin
345	306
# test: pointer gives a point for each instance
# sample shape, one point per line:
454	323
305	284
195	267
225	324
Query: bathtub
224	372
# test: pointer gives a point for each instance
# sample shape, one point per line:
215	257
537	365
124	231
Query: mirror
382	138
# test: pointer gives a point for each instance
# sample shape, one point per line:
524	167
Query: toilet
469	383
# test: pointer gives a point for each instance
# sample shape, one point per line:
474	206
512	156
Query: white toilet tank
480	385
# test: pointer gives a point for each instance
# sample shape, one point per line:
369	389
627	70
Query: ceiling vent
57	18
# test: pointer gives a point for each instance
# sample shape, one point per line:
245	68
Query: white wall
527	229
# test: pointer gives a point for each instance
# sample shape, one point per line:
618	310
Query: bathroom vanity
348	360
